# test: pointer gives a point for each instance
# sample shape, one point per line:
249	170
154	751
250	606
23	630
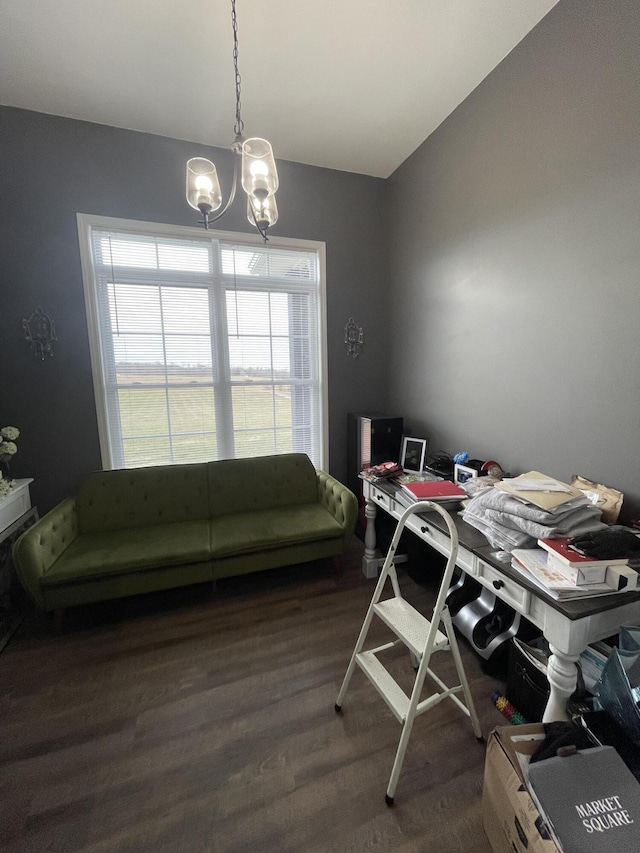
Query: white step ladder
421	636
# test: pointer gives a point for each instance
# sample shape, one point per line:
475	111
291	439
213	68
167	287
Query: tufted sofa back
264	482
141	497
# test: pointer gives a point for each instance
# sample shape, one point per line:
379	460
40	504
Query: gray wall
516	258
51	168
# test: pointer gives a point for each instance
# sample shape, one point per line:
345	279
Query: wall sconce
40	331
353	338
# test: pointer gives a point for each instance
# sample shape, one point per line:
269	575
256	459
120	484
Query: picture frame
413	454
462	473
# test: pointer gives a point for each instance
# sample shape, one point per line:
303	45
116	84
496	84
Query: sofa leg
338	566
58	618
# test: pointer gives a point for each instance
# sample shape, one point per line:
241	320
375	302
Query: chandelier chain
239	125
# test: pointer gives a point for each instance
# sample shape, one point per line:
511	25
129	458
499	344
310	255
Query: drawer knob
424	529
380	497
498	584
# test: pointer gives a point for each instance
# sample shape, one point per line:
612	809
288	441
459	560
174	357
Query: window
205	345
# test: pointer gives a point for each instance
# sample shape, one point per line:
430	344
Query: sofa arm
340	502
41	544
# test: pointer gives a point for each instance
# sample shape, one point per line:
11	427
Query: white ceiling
347	84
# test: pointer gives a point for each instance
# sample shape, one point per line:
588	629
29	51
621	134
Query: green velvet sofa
144	529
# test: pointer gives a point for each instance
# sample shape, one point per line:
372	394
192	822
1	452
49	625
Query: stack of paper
542	491
533	564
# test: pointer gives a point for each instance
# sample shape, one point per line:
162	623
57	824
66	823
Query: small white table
568	626
16	514
15	504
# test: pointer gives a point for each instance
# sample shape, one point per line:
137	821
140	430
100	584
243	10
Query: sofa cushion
263	482
97	555
142	497
272	528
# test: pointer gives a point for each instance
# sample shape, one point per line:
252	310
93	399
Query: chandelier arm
232	195
261	231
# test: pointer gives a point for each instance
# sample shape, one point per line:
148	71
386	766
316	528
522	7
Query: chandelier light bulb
259	173
203	187
258	167
263	213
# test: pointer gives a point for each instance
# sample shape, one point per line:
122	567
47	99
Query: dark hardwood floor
187	721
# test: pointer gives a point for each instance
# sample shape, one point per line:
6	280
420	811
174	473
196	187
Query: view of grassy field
262	422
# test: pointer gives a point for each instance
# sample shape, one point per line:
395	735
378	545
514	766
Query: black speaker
372	437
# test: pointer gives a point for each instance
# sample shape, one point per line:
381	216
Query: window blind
207	348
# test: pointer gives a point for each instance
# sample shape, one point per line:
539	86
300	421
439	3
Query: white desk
569	627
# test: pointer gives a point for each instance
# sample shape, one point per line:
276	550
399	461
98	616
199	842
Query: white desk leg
563	678
371	559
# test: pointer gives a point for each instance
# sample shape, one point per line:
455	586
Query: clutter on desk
615	542
434	490
440	463
533	564
512	518
474	486
382	471
408	477
540	490
609	500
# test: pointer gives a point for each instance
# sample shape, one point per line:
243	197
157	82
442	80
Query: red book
560	549
434	490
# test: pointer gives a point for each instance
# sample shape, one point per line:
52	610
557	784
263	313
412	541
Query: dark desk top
476	542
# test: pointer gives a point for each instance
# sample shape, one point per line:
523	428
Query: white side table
15	504
16	514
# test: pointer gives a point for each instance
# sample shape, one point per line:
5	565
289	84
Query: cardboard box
510	818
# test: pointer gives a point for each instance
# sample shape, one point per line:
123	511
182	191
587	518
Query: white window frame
88	222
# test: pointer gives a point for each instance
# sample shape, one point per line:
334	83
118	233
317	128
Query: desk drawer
381	499
505	588
429	533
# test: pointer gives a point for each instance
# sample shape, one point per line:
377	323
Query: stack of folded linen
509	522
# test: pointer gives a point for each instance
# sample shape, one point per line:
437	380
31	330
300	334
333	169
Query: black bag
527	686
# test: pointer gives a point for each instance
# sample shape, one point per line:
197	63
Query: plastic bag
616	693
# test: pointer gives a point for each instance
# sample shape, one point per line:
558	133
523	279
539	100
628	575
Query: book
590	801
578	575
435	490
562	550
548	500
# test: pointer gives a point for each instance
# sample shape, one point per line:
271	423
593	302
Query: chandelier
252	158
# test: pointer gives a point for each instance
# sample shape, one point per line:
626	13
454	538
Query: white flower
10	433
7	448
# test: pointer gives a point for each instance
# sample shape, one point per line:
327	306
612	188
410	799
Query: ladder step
407	624
385	684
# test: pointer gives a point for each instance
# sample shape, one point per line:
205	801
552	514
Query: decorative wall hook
353	338
40	331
